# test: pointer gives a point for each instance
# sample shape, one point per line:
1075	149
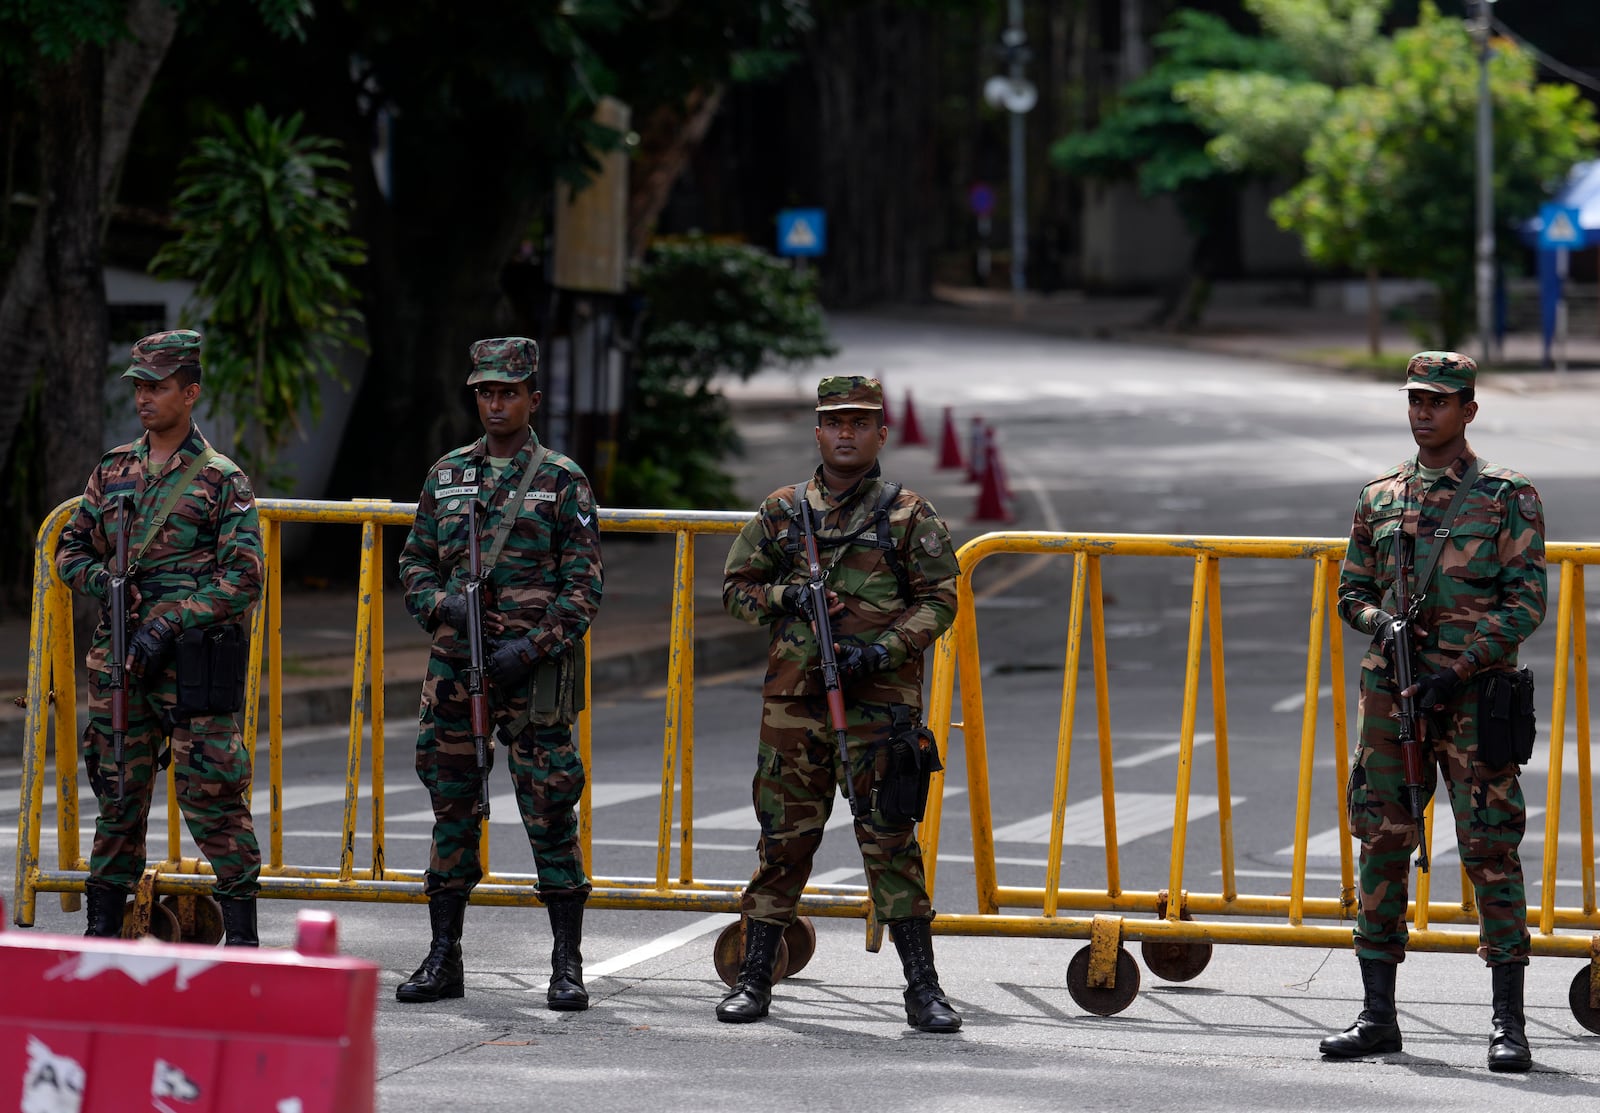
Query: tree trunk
874	69
120	85
73	289
666	141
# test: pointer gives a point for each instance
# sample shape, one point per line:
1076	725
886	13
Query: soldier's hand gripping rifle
477	690
117	670
1401	628
816	589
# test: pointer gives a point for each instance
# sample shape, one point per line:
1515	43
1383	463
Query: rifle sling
1442	533
202	458
502	529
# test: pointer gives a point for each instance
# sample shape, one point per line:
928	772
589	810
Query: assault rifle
1412	721
477	692
116	672
822	627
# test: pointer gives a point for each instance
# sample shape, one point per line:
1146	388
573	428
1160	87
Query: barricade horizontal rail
957	664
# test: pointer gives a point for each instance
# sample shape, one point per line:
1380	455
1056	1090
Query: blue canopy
1582	194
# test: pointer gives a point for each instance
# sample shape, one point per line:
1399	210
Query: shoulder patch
931	544
241	487
584	499
1528	503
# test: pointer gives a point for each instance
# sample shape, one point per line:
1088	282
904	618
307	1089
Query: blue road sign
802	232
1560	227
980	198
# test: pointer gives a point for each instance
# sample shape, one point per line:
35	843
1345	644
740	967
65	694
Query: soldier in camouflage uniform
195	548
1487	594
891	574
540	543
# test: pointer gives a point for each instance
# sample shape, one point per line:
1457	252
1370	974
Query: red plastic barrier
106	1026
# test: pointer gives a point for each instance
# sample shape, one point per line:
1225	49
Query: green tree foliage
1390	172
263	218
712	309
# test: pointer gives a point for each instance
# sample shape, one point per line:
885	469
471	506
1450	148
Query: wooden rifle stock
822	627
477	693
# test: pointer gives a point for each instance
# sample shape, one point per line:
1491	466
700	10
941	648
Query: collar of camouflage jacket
1458	467
192	444
480	450
824	500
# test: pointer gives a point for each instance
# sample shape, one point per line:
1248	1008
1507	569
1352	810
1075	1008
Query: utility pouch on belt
211	663
558	694
1506	720
903	766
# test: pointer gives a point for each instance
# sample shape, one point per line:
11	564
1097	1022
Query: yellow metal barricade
52	701
1172	939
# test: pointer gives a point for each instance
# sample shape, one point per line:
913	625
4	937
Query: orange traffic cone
997	465
949	444
912	433
991	501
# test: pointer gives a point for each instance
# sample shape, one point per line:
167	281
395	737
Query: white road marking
1171	749
503	805
1298	700
1138	814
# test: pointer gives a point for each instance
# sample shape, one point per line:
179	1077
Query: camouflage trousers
796	783
546	772
1490	818
211	768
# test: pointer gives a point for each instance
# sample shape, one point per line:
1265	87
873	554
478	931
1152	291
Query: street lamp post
1485	255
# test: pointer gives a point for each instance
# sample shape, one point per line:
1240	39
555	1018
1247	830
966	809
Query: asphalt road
1096	437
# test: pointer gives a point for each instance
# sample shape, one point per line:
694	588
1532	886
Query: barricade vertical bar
940	700
1069	701
1308	738
64	671
1565	621
1341	737
1102	714
686	721
174	815
1580	653
358	701
251	723
585	750
972	730
377	705
1219	719
30	815
1191	700
272	542
1558	741
670	738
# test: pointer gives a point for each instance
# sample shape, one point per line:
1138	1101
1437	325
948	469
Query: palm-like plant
263	216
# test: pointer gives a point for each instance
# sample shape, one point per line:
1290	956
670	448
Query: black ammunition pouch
1506	719
902	767
557	693
211	665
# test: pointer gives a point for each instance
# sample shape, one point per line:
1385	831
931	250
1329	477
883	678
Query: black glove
856	661
1437	689
150	647
452	612
797	601
511	663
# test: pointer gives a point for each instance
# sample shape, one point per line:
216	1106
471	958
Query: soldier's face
504	408
164	406
1438	420
850	439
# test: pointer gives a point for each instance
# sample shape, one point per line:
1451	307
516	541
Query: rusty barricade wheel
800	938
199	918
1578	998
1170	960
1103	1000
728	955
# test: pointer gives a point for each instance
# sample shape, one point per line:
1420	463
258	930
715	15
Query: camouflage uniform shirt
547	580
1488	590
878	610
203	565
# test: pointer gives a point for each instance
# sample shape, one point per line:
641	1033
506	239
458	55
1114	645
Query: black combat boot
106	903
927	1008
238	921
1508	1047
566	992
751	996
1376	1031
440	974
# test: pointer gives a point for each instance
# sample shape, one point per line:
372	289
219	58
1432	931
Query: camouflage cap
1440	372
849	392
505	359
161	353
